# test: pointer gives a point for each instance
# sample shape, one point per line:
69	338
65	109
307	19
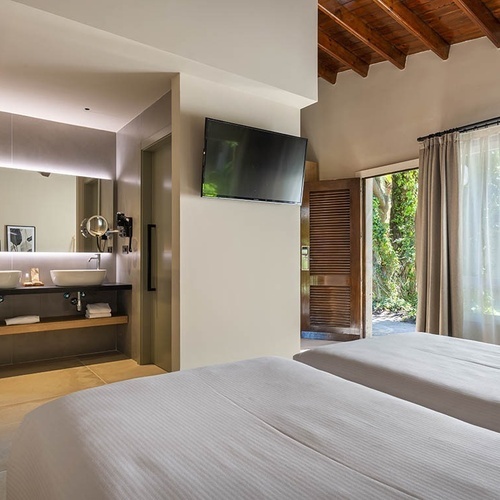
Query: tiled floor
25	387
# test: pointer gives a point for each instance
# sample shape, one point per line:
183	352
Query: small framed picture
21	238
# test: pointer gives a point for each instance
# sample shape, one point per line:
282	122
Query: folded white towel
99	307
22	320
98	315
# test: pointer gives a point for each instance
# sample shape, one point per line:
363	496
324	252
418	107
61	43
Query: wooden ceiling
353	34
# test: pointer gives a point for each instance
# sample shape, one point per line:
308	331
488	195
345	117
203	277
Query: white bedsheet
457	377
266	428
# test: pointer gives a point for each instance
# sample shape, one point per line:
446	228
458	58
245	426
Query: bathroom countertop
30	290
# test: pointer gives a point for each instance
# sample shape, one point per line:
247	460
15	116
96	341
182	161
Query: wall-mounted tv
247	163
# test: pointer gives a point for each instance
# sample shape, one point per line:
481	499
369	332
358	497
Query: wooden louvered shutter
331	259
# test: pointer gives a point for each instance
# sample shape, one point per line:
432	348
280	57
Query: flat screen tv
247	163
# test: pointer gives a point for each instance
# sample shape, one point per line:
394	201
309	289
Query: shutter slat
328	306
330	232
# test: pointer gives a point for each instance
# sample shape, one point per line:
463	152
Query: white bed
457	377
265	428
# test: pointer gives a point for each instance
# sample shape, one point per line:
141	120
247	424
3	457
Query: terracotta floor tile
45	385
25	387
124	369
10	418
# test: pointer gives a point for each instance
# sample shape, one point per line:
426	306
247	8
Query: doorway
331	264
156	255
345	244
390	269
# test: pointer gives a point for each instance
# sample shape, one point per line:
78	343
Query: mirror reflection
42	212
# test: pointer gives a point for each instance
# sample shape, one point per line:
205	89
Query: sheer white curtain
480	233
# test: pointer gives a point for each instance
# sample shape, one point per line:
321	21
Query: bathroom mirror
48	209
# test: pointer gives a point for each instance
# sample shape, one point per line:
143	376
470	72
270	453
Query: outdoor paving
382	324
387	324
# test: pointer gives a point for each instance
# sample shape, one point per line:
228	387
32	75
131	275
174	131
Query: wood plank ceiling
353	34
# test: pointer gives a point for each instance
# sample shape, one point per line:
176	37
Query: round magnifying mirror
97	225
83	228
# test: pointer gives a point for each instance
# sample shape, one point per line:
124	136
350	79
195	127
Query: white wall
239	276
273	42
32	144
362	123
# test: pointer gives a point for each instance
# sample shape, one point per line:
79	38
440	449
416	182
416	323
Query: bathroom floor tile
25	387
10	418
49	384
3	484
116	367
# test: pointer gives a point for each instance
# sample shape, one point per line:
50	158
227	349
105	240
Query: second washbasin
9	279
78	277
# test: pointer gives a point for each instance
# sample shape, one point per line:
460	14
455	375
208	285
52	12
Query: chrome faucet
96	257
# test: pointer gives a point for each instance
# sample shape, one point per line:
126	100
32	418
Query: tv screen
252	164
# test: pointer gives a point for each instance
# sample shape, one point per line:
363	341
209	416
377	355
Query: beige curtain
437	233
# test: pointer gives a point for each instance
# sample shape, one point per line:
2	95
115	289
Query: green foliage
384	262
394	280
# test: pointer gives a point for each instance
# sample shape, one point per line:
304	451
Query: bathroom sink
77	277
9	279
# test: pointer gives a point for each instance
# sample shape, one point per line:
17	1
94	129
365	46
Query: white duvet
260	429
457	377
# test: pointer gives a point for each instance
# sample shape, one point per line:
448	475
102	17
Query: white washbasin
77	277
9	279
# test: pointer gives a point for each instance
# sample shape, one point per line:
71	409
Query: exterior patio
382	324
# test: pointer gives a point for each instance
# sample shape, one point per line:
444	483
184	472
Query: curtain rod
465	128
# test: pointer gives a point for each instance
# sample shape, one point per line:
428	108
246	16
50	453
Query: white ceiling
53	68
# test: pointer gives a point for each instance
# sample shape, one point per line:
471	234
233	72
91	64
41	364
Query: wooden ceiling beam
482	16
327	74
410	21
341	54
356	27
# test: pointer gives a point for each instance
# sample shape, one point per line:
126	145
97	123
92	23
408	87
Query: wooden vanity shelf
63	323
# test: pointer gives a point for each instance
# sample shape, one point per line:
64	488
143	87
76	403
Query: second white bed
458	377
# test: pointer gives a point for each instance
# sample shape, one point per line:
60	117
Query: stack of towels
22	320
99	310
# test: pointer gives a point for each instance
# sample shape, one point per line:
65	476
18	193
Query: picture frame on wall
20	238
